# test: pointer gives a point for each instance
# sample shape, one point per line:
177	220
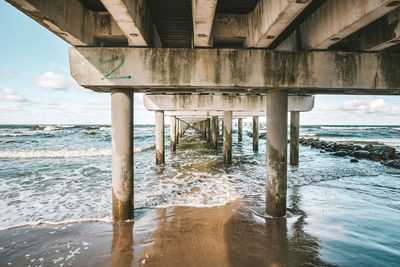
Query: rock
393	163
262	135
340	153
361	154
367	147
329	150
354	160
375	156
391	151
384	155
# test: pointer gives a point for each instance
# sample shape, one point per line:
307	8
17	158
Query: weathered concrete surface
240	129
203	17
379	35
122	154
276	153
211	104
269	18
335	20
134	19
215	131
172	143
56	16
294	137
255	133
240	70
160	150
230	28
227	130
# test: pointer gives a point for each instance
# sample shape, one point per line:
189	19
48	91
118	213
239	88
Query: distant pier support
277	110
176	131
227	130
172	143
160	151
294	137
122	154
255	133
215	130
208	133
240	131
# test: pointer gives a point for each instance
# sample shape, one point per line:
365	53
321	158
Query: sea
55	208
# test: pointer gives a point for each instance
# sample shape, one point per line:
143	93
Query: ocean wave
352	127
307	134
79	153
144	148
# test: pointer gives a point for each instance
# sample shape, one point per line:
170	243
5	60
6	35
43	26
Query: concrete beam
269	18
209	104
134	19
230	27
243	70
379	35
203	17
68	19
336	19
205	114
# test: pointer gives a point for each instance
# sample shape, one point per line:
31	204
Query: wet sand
228	235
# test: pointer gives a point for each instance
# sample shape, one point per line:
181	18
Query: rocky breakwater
387	155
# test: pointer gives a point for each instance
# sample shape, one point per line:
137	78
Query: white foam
92	152
79	153
352	128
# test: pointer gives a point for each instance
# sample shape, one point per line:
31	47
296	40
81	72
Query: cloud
6	75
375	106
51	80
11	95
10	108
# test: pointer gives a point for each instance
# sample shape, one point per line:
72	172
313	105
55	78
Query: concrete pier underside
235	48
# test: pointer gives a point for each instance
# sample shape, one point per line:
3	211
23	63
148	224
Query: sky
36	86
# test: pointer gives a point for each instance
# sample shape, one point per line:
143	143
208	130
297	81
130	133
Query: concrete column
227	137
177	131
277	109
172	138
223	127
215	129
208	133
255	133
160	151
294	137
240	130
122	154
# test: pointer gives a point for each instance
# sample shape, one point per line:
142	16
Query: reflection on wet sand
229	235
122	244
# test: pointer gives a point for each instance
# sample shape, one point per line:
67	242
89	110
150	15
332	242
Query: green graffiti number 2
107	76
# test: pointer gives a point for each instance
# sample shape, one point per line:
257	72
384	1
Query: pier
223	61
